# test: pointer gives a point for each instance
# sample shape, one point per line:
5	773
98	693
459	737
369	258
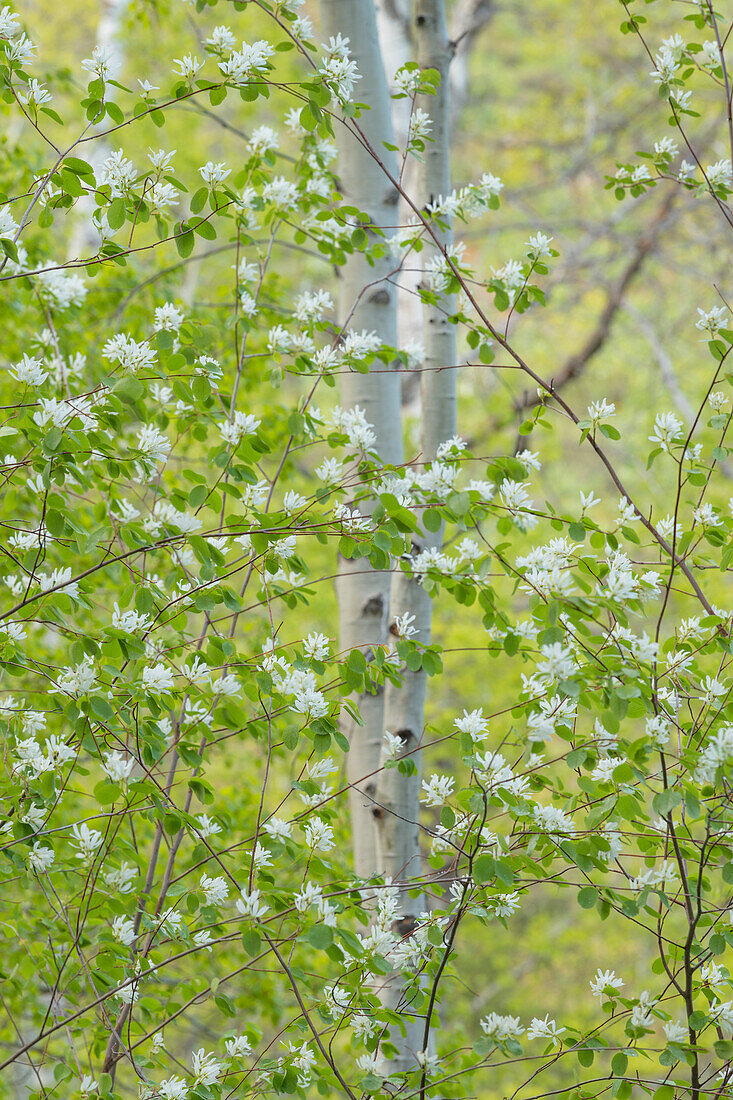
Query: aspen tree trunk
363	593
394	24
398	796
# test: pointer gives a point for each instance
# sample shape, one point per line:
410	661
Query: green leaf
484	869
198	495
198	200
251	942
619	1062
55	522
184	242
129	389
320	936
587	897
432	520
665	801
310	116
205	229
116	213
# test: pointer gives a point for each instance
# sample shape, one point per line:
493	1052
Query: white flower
29	371
603	980
588	501
712	689
501	1027
203	939
666	147
131	354
310	894
173	1088
206	1069
667	429
712	974
544	1029
250	905
232	431
238	1047
248	304
719	175
157	678
100	63
130	622
369	1062
9	25
538	246
600	410
341	73
167	318
317	646
657	728
188	66
437	789
214	173
123	930
392	745
278	829
35	94
40	858
79	679
415	353
87	840
309	701
473	723
161	196
717	752
293	502
311	305
676	1032
207	826
552	820
118	767
655	876
420	126
121	879
154	446
262	140
712	320
216	890
505	905
318	834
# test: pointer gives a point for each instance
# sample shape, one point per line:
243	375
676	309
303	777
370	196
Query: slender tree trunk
398	795
363	593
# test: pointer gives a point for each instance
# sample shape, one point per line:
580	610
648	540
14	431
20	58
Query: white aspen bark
394	23
363	593
393	27
468	19
398	796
